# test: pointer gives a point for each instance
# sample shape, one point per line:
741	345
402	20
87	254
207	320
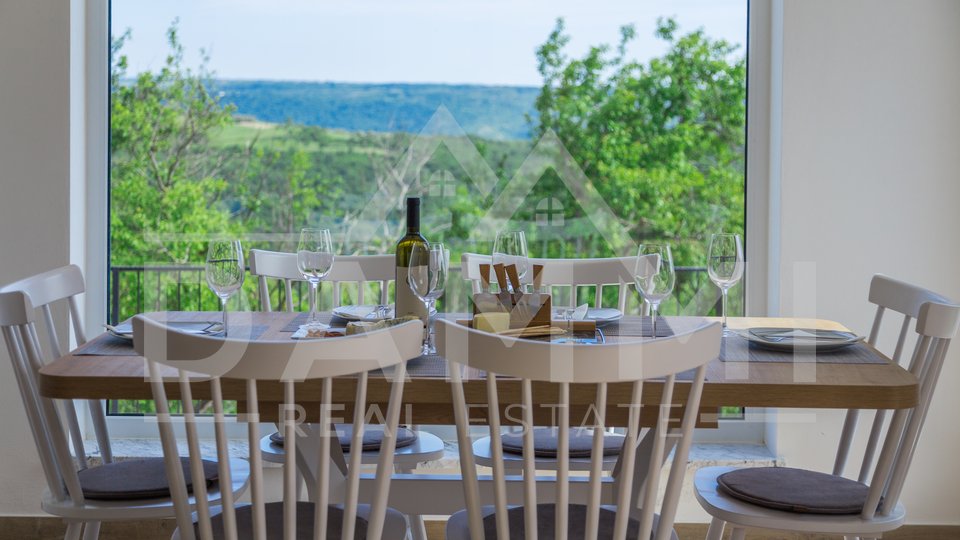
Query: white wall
34	198
871	183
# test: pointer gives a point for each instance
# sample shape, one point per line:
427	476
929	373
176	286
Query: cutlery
504	294
115	330
485	277
533	331
537	277
378	312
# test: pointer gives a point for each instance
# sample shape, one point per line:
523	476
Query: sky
421	41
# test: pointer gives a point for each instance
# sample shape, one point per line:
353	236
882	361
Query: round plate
367	312
800	339
601	316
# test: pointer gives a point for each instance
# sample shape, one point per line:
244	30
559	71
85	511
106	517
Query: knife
502	283
485	278
537	277
514	278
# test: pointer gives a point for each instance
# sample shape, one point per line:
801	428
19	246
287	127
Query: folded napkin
579	313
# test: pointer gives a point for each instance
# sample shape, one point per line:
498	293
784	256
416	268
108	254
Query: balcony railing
135	289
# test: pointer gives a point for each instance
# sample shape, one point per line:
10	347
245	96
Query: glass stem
431	345
724	308
223	302
313	302
653	319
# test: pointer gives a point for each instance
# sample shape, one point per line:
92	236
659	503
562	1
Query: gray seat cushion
458	526
136	479
395	525
545	443
372	437
795	490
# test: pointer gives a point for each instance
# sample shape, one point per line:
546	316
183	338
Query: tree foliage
165	185
662	141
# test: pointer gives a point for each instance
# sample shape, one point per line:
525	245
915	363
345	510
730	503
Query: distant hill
491	112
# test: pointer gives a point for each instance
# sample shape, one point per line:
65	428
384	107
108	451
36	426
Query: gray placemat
106	345
433	365
637	327
109	345
735	348
301	319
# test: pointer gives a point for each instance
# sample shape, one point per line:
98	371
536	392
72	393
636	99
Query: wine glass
725	265
510	247
654	276
225	271
427	278
314	261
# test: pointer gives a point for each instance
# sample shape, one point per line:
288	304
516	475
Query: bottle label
407	302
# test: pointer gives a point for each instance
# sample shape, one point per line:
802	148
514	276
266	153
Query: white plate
124	330
364	313
371	313
800	339
302	332
600	316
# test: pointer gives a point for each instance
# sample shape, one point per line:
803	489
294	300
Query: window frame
89	182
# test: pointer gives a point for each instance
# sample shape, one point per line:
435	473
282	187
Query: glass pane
592	127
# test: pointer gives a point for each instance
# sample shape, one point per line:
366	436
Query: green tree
165	183
662	141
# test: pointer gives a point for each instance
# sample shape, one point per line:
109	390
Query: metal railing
135	289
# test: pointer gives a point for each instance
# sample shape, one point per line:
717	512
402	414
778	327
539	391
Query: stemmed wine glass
510	247
427	278
654	276
225	271
725	265
314	260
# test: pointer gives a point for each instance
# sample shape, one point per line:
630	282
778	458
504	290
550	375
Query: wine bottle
407	302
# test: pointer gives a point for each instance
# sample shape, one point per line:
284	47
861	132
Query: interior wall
870	165
34	198
870	179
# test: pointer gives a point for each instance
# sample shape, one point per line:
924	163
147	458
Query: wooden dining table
741	377
800	381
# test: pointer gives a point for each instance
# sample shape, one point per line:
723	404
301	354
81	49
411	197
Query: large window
592	127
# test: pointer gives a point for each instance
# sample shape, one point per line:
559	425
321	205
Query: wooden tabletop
743	384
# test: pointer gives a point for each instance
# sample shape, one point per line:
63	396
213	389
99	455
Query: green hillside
491	112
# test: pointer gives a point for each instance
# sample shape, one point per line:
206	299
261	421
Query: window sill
701	454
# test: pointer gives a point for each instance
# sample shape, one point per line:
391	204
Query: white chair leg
715	531
74	528
738	533
418	530
91	531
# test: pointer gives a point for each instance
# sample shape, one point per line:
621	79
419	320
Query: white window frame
89	95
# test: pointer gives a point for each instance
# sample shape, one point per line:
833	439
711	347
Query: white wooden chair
85	496
874	504
569	368
571	275
46	290
289	361
358	270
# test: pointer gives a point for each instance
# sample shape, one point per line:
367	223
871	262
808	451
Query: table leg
308	448
642	464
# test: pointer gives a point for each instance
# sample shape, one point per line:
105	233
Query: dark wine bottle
407	302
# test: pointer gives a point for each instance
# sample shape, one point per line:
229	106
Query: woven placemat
735	348
110	345
301	319
106	345
637	327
